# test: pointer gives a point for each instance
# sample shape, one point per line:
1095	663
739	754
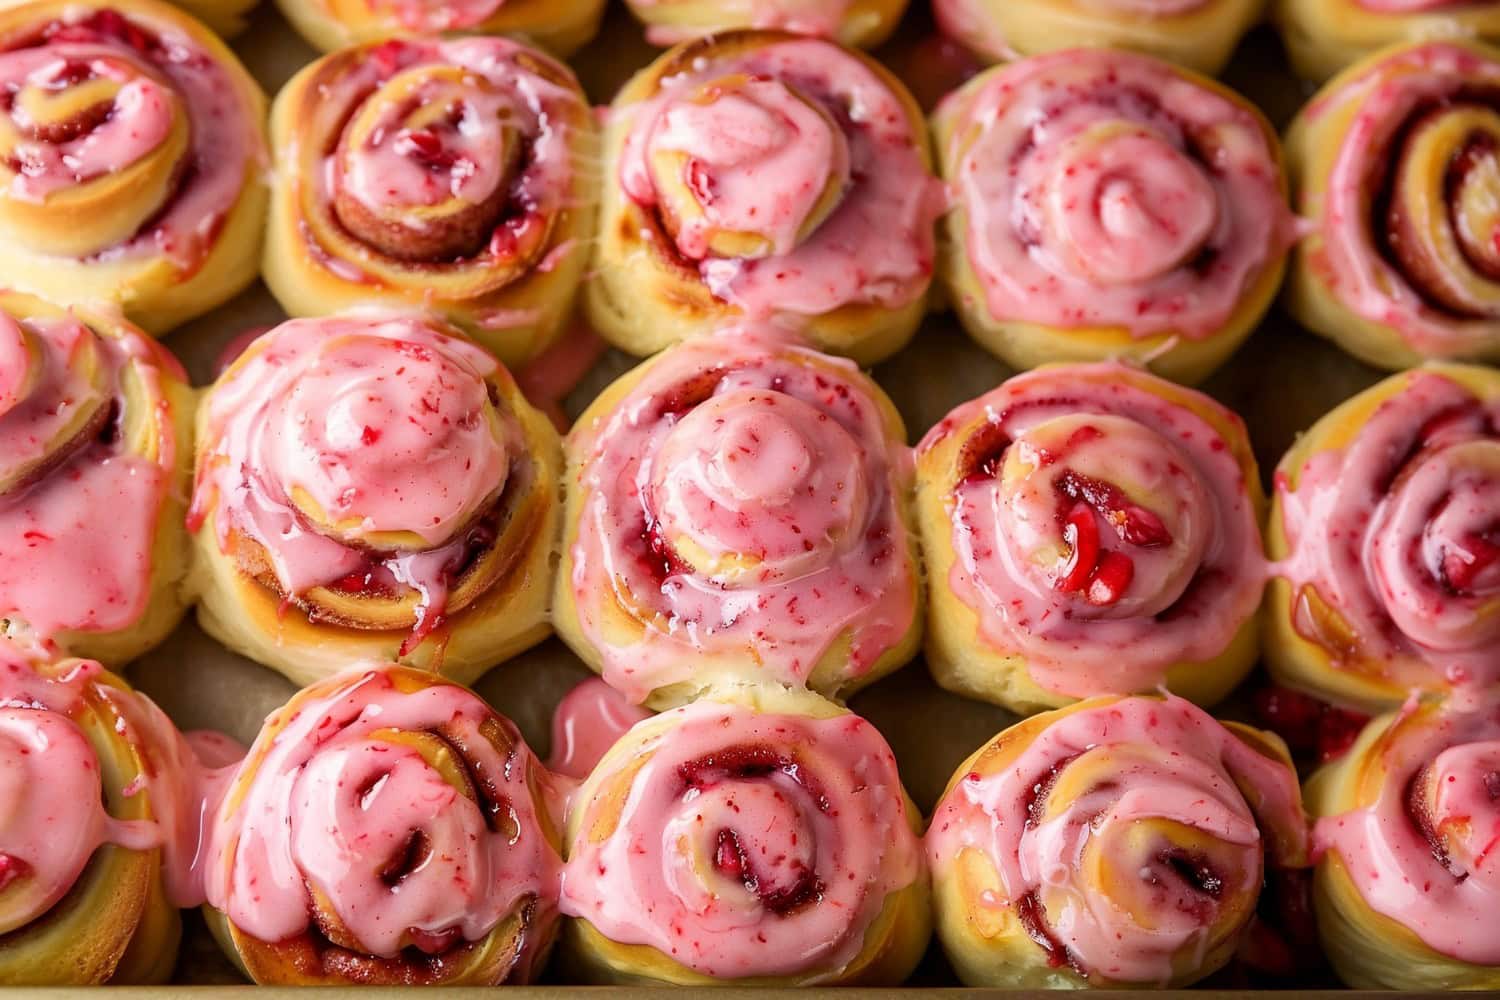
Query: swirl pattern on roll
762	174
131	150
95	425
1198	34
767	843
83	895
1115	842
1386	528
1087	529
450	175
369	484
1110	204
1406	829
387	827
738	506
1398	164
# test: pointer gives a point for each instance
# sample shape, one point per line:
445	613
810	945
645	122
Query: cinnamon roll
132	148
373	486
1406	825
759	836
1387	545
1395	164
95	453
1118	842
769	176
1088	529
863	23
738	507
1324	36
1107	205
563	26
83	899
1198	34
453	176
387	828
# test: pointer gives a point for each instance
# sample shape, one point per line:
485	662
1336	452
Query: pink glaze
163	71
48	839
1196	568
745	494
878	245
749	844
586	723
1349	262
139	120
755	149
325	804
1169	761
806	17
1388	846
82	528
186	778
1400	534
378	420
394	169
1109	189
426	16
456	157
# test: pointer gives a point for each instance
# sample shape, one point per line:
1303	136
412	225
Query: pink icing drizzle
1400	533
1353	266
459	158
48	839
1186	596
380	420
1108	189
81	535
878	245
586	723
329	804
736	443
749	844
1449	899
1194	772
225	138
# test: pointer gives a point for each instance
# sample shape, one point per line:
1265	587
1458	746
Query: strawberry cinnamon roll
373	486
226	17
738	507
1116	843
1386	530
95	455
1395	161
132	148
563	26
1198	34
769	176
1107	205
387	828
1406	881
82	893
760	837
1088	529
863	23
452	176
1324	36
